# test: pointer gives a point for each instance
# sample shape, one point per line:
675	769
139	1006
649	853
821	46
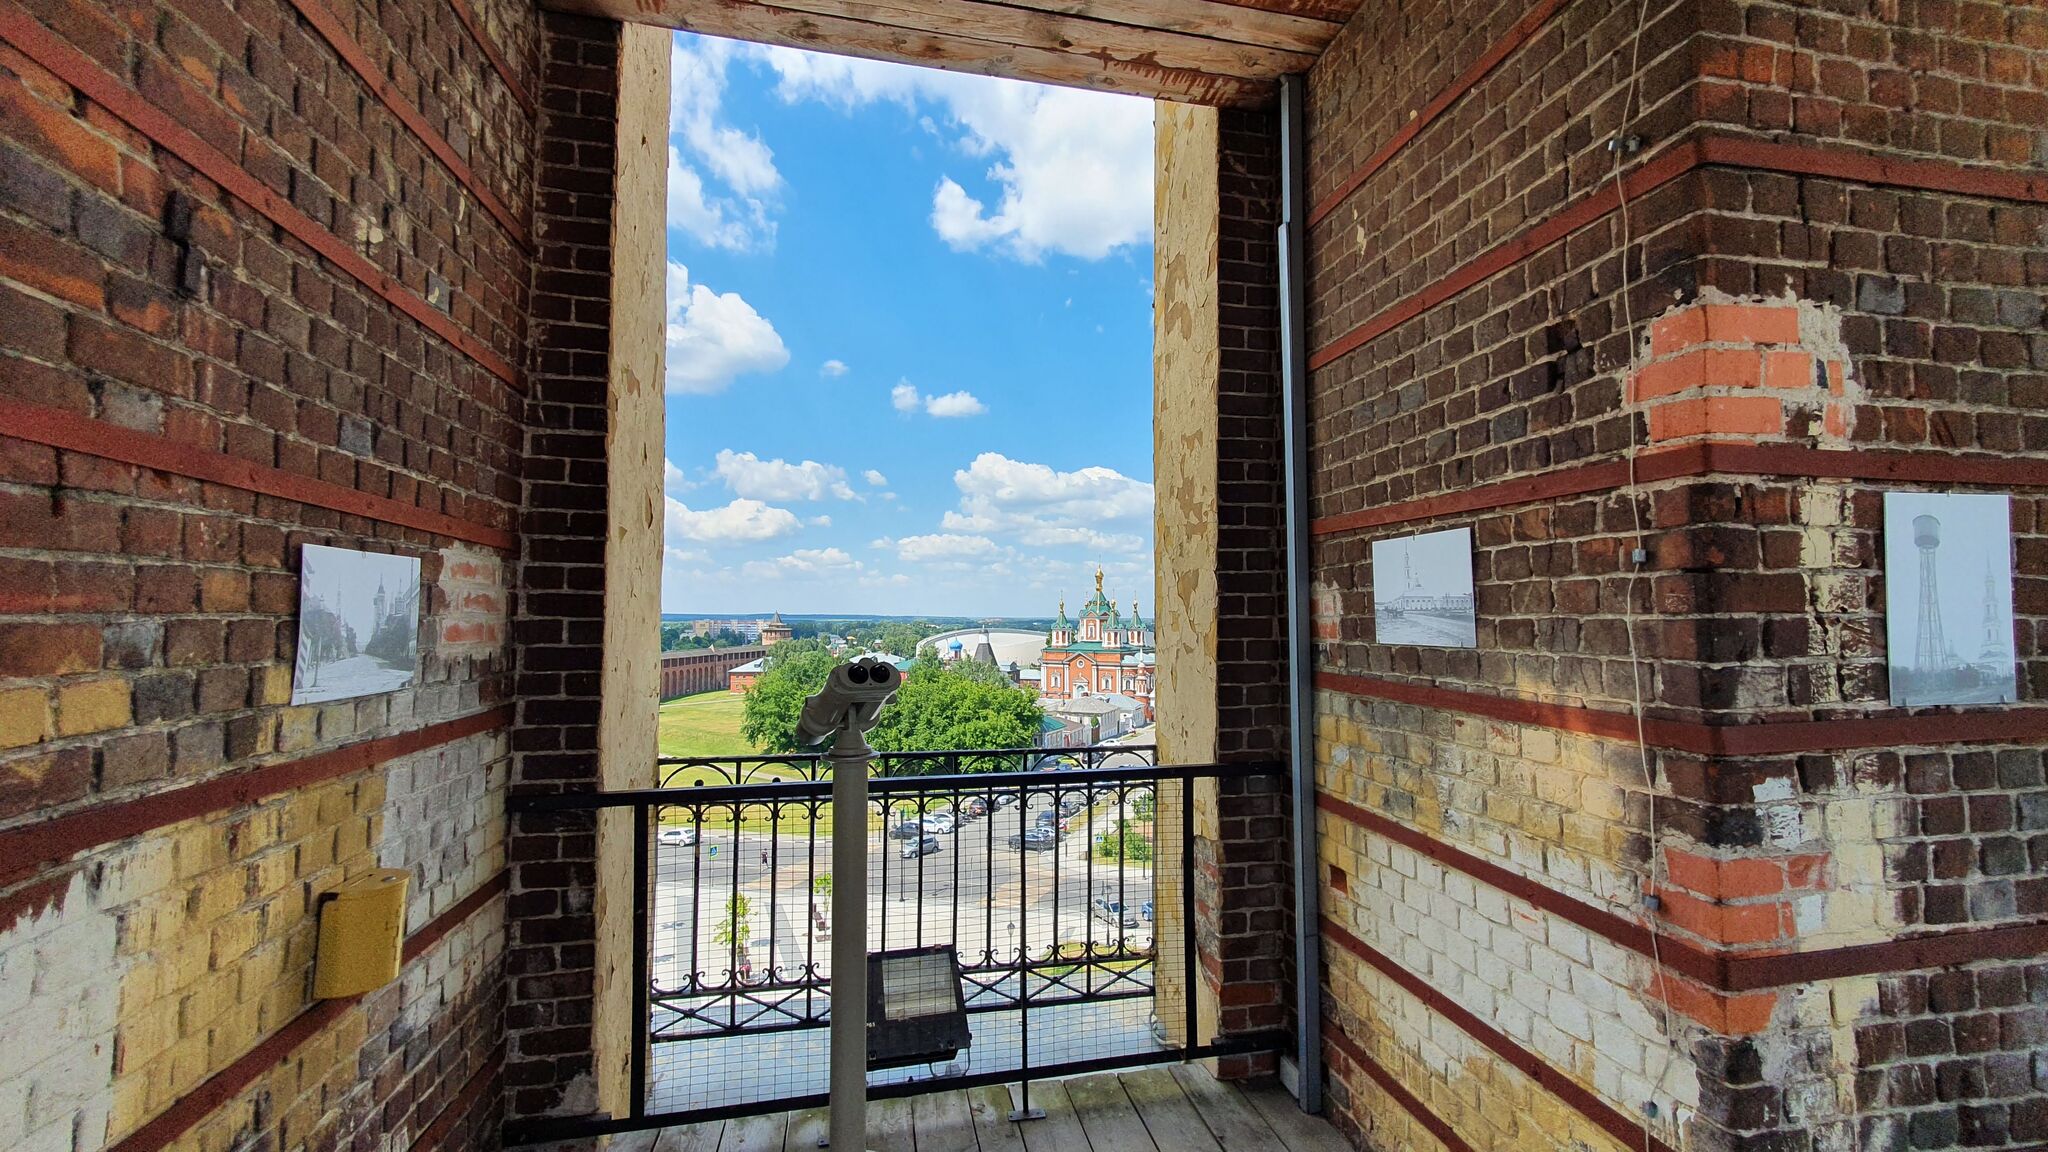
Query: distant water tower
1931	655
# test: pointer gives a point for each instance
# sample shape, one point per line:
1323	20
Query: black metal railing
1041	868
696	771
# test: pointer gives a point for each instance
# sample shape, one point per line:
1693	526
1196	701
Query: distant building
1105	654
748	630
742	678
1099	718
692	670
774	631
1011	645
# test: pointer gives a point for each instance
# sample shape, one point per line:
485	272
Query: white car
940	822
676	837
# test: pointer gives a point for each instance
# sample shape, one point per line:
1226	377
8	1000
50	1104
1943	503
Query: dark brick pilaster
551	950
1242	876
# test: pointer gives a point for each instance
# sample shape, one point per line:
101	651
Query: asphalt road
976	892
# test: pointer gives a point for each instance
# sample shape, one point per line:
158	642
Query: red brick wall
258	298
1789	331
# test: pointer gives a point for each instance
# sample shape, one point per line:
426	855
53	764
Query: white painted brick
1550	968
52	1137
1617	1043
13	1110
1552	1044
1492	904
17	977
1569	941
1570	1018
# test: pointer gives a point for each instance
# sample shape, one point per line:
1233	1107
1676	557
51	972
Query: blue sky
909	338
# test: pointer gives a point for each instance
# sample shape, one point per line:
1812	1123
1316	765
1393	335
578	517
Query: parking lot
992	901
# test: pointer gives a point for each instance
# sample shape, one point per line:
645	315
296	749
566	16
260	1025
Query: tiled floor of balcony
1179	1109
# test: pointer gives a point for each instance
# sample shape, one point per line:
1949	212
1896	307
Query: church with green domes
1105	653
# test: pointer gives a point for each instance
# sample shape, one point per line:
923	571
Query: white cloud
875	478
749	475
1071	169
946	548
711	222
715	337
673	479
959	218
696	98
737	218
742	521
1041	507
904	397
803	561
821	521
833	368
954	404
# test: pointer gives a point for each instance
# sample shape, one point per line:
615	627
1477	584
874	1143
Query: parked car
1113	912
676	837
1039	839
1004	799
1047	816
1071	803
907	830
972	807
923	846
940	822
1145	911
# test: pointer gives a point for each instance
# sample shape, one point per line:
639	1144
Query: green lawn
707	724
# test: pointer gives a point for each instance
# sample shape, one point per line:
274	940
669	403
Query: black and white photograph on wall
1422	590
359	624
1948	598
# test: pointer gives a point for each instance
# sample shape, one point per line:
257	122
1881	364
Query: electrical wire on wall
1623	144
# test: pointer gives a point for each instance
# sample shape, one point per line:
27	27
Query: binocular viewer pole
849	758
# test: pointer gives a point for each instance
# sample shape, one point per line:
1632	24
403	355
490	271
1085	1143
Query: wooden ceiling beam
1096	55
1027	28
1334	11
1210	19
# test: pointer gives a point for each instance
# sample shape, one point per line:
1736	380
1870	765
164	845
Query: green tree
732	929
1124	844
948	707
794	669
939	708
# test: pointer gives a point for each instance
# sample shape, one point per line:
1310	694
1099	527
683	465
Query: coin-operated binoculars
845	709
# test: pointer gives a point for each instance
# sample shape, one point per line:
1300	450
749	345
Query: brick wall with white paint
1569	810
444	821
60	994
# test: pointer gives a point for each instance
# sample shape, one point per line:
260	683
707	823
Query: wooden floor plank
755	1134
1298	1131
1229	1116
691	1137
1164	1110
807	1129
890	1126
994	1131
1059	1130
943	1123
1107	1116
634	1141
